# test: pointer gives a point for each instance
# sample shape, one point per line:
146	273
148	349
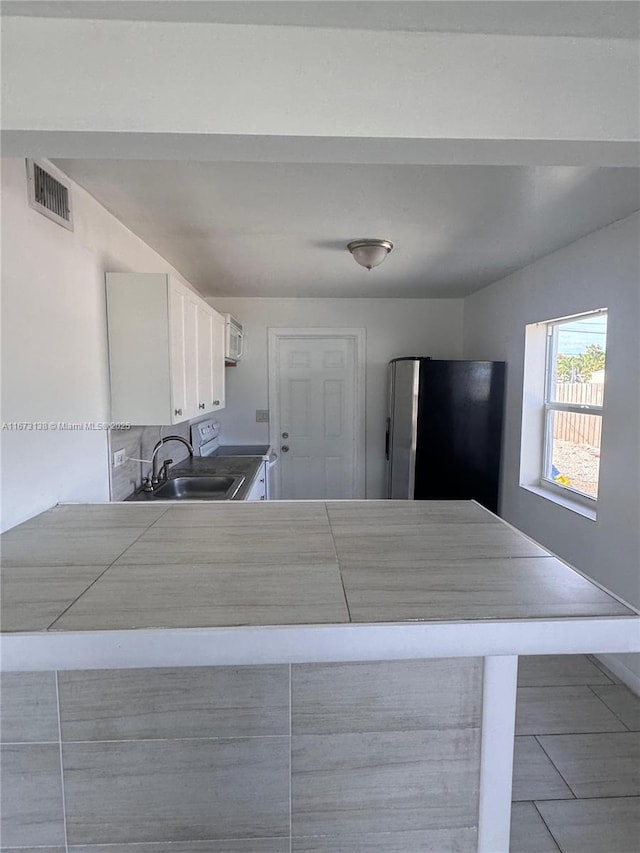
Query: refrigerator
444	430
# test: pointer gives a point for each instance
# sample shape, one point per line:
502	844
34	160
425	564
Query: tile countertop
203	466
159	584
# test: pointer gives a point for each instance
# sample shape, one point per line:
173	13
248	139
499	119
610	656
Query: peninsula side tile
185	702
441	693
354	784
237	845
28	707
31	812
456	840
128	792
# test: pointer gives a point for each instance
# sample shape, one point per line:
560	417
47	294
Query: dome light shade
369	253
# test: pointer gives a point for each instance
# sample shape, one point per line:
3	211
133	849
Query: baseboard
618	668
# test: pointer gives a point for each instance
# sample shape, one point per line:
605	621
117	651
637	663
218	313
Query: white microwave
234	345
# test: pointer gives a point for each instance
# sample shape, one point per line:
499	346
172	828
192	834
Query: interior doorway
317	420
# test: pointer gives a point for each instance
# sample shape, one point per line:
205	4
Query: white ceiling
577	18
275	229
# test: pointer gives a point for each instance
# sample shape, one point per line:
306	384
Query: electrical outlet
262	416
119	458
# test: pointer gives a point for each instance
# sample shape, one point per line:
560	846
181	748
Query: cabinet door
191	355
205	359
258	490
218	343
177	310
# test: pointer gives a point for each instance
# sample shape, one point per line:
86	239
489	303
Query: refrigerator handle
386	439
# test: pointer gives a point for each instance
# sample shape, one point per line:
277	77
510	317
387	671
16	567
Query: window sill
565	501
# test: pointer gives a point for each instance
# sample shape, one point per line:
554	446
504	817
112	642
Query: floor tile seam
64	801
95	580
597	797
553	764
599	733
571	733
551	835
604	702
338	563
603	668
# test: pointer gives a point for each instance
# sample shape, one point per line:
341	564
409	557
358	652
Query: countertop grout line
335	551
78	597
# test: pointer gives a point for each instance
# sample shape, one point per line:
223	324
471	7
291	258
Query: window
573	404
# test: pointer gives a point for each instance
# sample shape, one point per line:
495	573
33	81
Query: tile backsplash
138	442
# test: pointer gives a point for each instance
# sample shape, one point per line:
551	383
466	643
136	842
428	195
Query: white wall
394	327
598	271
54	351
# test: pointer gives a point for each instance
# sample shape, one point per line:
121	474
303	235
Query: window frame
550	406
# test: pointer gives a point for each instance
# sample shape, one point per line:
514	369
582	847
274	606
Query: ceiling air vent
49	195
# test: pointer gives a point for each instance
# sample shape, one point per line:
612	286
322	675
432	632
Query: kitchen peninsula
313	676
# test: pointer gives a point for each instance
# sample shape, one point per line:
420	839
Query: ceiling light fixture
369	253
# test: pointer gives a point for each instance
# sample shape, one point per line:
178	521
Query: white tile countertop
100	585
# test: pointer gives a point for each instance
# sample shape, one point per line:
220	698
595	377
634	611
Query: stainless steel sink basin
199	489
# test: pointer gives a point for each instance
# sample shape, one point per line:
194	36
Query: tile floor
576	786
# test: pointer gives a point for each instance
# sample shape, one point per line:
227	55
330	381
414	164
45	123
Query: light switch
262	416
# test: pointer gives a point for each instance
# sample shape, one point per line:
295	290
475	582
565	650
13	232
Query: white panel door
316	394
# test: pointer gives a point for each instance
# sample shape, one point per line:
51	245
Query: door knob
284	448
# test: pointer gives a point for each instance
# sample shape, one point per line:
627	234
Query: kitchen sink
199	488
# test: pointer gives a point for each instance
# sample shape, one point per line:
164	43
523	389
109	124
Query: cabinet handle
216	402
177	411
201	406
262	480
262	498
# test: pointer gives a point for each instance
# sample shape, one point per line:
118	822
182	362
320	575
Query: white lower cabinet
258	490
166	350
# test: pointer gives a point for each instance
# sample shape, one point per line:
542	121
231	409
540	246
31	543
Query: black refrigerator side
402	427
459	431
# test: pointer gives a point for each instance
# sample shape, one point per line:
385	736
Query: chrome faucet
155	479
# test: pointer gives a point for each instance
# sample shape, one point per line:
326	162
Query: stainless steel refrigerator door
403	428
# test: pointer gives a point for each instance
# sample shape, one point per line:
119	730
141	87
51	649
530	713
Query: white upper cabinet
166	350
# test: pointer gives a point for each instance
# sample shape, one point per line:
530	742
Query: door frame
359	337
